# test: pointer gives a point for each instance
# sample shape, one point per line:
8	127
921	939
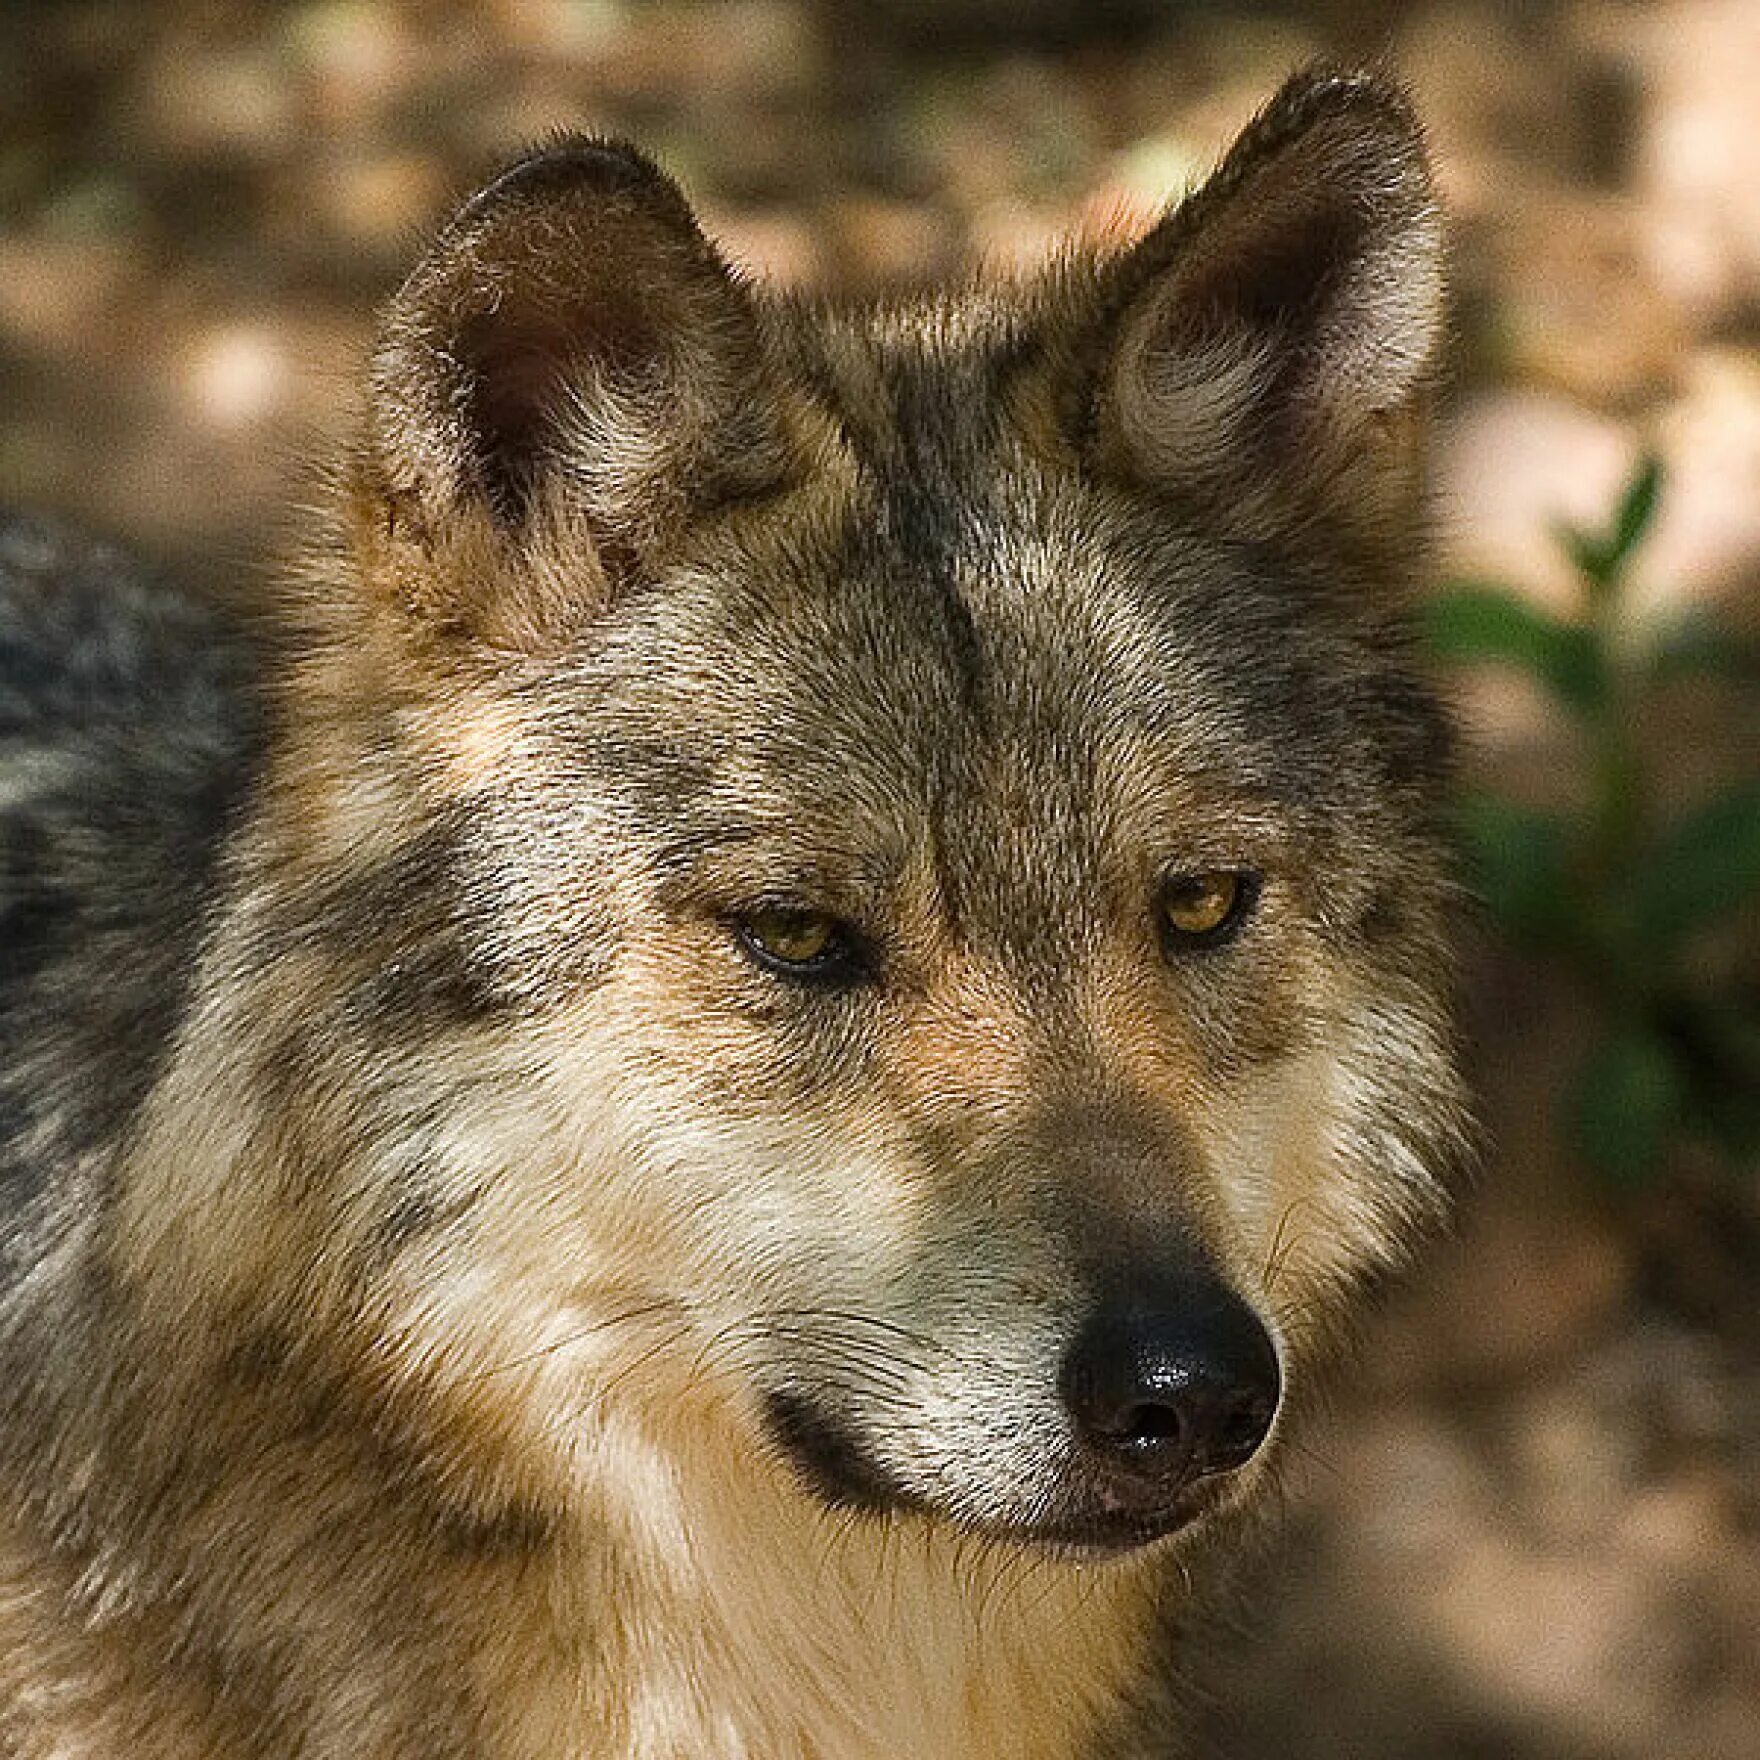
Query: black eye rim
847	960
1249	883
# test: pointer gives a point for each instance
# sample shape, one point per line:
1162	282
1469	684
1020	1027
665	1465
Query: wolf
729	1093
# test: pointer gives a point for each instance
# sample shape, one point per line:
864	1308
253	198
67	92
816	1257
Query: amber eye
1198	910
799	943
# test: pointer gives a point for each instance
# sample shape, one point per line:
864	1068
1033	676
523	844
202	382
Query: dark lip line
1116	1542
1099	1539
1072	1543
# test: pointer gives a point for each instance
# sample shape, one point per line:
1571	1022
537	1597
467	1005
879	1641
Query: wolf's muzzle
1167	1385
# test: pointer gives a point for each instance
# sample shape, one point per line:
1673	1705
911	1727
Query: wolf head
872	877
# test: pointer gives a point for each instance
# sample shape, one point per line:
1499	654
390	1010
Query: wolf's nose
1164	1392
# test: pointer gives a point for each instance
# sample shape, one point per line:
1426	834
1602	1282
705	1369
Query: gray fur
128	734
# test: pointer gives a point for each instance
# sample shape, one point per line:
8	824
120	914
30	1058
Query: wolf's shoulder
129	727
88	635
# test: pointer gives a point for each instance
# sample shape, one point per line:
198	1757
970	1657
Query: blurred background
1532	1530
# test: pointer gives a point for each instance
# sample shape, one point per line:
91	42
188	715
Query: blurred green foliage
1623	891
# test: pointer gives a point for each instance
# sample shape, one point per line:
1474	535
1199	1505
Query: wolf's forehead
964	642
967	664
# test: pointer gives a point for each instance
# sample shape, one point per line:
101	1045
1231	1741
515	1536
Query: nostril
1170	1392
1241	1424
1149	1425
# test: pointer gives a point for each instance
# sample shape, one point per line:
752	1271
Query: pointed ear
1273	338
569	376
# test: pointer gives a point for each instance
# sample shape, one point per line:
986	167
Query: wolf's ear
1273	337
568	377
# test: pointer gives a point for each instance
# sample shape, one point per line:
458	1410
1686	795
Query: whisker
873	1323
1283	1243
1309	1453
627	1317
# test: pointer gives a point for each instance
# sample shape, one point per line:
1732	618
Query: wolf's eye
1199	910
799	943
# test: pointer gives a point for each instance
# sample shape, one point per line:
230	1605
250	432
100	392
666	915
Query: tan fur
499	1209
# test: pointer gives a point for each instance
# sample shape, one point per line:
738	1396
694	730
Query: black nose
1164	1388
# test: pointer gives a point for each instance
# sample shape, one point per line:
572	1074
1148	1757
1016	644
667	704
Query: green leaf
1476	624
1518	863
1700	868
1589	555
1628	1100
1601	557
1637	509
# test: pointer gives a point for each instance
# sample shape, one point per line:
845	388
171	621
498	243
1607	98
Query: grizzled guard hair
733	1101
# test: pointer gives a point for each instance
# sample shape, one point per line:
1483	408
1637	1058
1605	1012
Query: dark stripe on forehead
910	385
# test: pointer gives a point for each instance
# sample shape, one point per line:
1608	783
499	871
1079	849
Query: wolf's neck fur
673	1594
740	1622
697	1606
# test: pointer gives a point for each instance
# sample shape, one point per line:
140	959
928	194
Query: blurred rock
356	61
232	102
61	294
1698	162
1578	308
1541	1284
1667	1525
1511	465
1706	540
236	376
573	31
377	202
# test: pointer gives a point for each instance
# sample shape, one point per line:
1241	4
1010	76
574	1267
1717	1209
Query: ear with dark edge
1272	340
569	376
